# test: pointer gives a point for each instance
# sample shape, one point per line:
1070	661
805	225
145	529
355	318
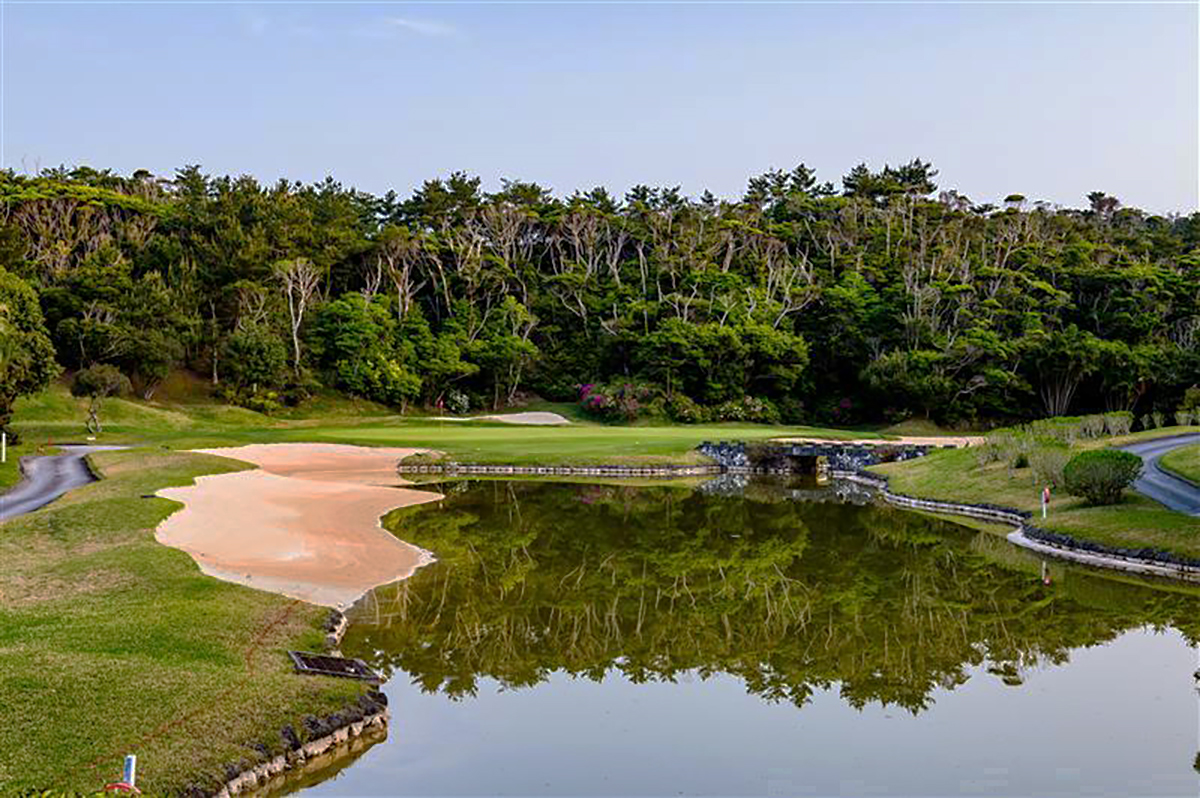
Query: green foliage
27	361
616	402
1100	476
683	409
255	357
360	351
100	381
748	408
797	295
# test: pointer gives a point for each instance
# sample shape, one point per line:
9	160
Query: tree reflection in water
791	597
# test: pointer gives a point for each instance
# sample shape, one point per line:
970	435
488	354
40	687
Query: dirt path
305	524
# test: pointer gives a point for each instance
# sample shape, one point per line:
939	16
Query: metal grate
325	665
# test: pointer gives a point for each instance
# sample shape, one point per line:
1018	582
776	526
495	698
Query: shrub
623	402
1092	426
1100	476
1048	463
1118	423
1159	418
1147	422
1183	418
685	410
1191	399
748	408
457	402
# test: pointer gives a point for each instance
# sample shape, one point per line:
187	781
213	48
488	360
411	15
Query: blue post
130	776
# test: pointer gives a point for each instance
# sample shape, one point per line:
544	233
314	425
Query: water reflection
885	606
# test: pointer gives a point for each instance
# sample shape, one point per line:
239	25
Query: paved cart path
47	477
1163	486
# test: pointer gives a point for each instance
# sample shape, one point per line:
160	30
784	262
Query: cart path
46	477
1163	486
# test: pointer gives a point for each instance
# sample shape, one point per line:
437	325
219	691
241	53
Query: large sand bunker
305	524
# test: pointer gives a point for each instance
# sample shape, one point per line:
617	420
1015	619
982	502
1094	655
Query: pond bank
1144	561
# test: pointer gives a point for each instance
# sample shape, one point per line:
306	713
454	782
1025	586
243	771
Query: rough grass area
111	643
1136	522
1184	462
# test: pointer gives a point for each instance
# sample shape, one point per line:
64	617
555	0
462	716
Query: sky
1047	100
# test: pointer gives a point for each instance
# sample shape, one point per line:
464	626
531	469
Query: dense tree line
885	299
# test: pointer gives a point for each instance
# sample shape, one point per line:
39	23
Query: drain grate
325	665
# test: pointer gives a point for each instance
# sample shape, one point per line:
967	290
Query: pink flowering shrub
615	402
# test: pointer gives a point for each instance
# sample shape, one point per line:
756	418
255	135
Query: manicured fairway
111	643
506	443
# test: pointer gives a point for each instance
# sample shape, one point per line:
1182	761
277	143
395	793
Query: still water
588	640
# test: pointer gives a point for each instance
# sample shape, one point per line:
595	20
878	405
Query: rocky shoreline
366	717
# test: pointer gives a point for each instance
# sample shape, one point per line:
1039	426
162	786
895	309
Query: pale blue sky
1051	101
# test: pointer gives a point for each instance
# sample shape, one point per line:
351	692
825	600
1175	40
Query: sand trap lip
305	524
530	418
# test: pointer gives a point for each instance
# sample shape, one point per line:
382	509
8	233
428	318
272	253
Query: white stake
3	447
130	776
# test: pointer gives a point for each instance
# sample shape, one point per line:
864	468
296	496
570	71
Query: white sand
533	419
305	524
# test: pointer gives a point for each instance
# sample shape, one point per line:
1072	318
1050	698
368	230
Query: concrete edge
1017	537
1187	573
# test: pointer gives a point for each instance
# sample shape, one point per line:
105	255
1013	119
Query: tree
1058	363
27	361
299	279
98	382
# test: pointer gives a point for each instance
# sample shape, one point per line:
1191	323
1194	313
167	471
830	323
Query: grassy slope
1184	462
1136	522
111	643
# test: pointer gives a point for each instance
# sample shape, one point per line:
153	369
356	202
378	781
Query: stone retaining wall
369	714
459	469
1154	562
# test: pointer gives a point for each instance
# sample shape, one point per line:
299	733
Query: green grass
1184	462
1136	522
111	643
577	444
56	416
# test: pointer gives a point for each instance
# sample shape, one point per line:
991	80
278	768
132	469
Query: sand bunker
531	418
306	524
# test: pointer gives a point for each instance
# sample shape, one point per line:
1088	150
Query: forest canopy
882	299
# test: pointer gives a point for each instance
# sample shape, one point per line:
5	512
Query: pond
600	640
